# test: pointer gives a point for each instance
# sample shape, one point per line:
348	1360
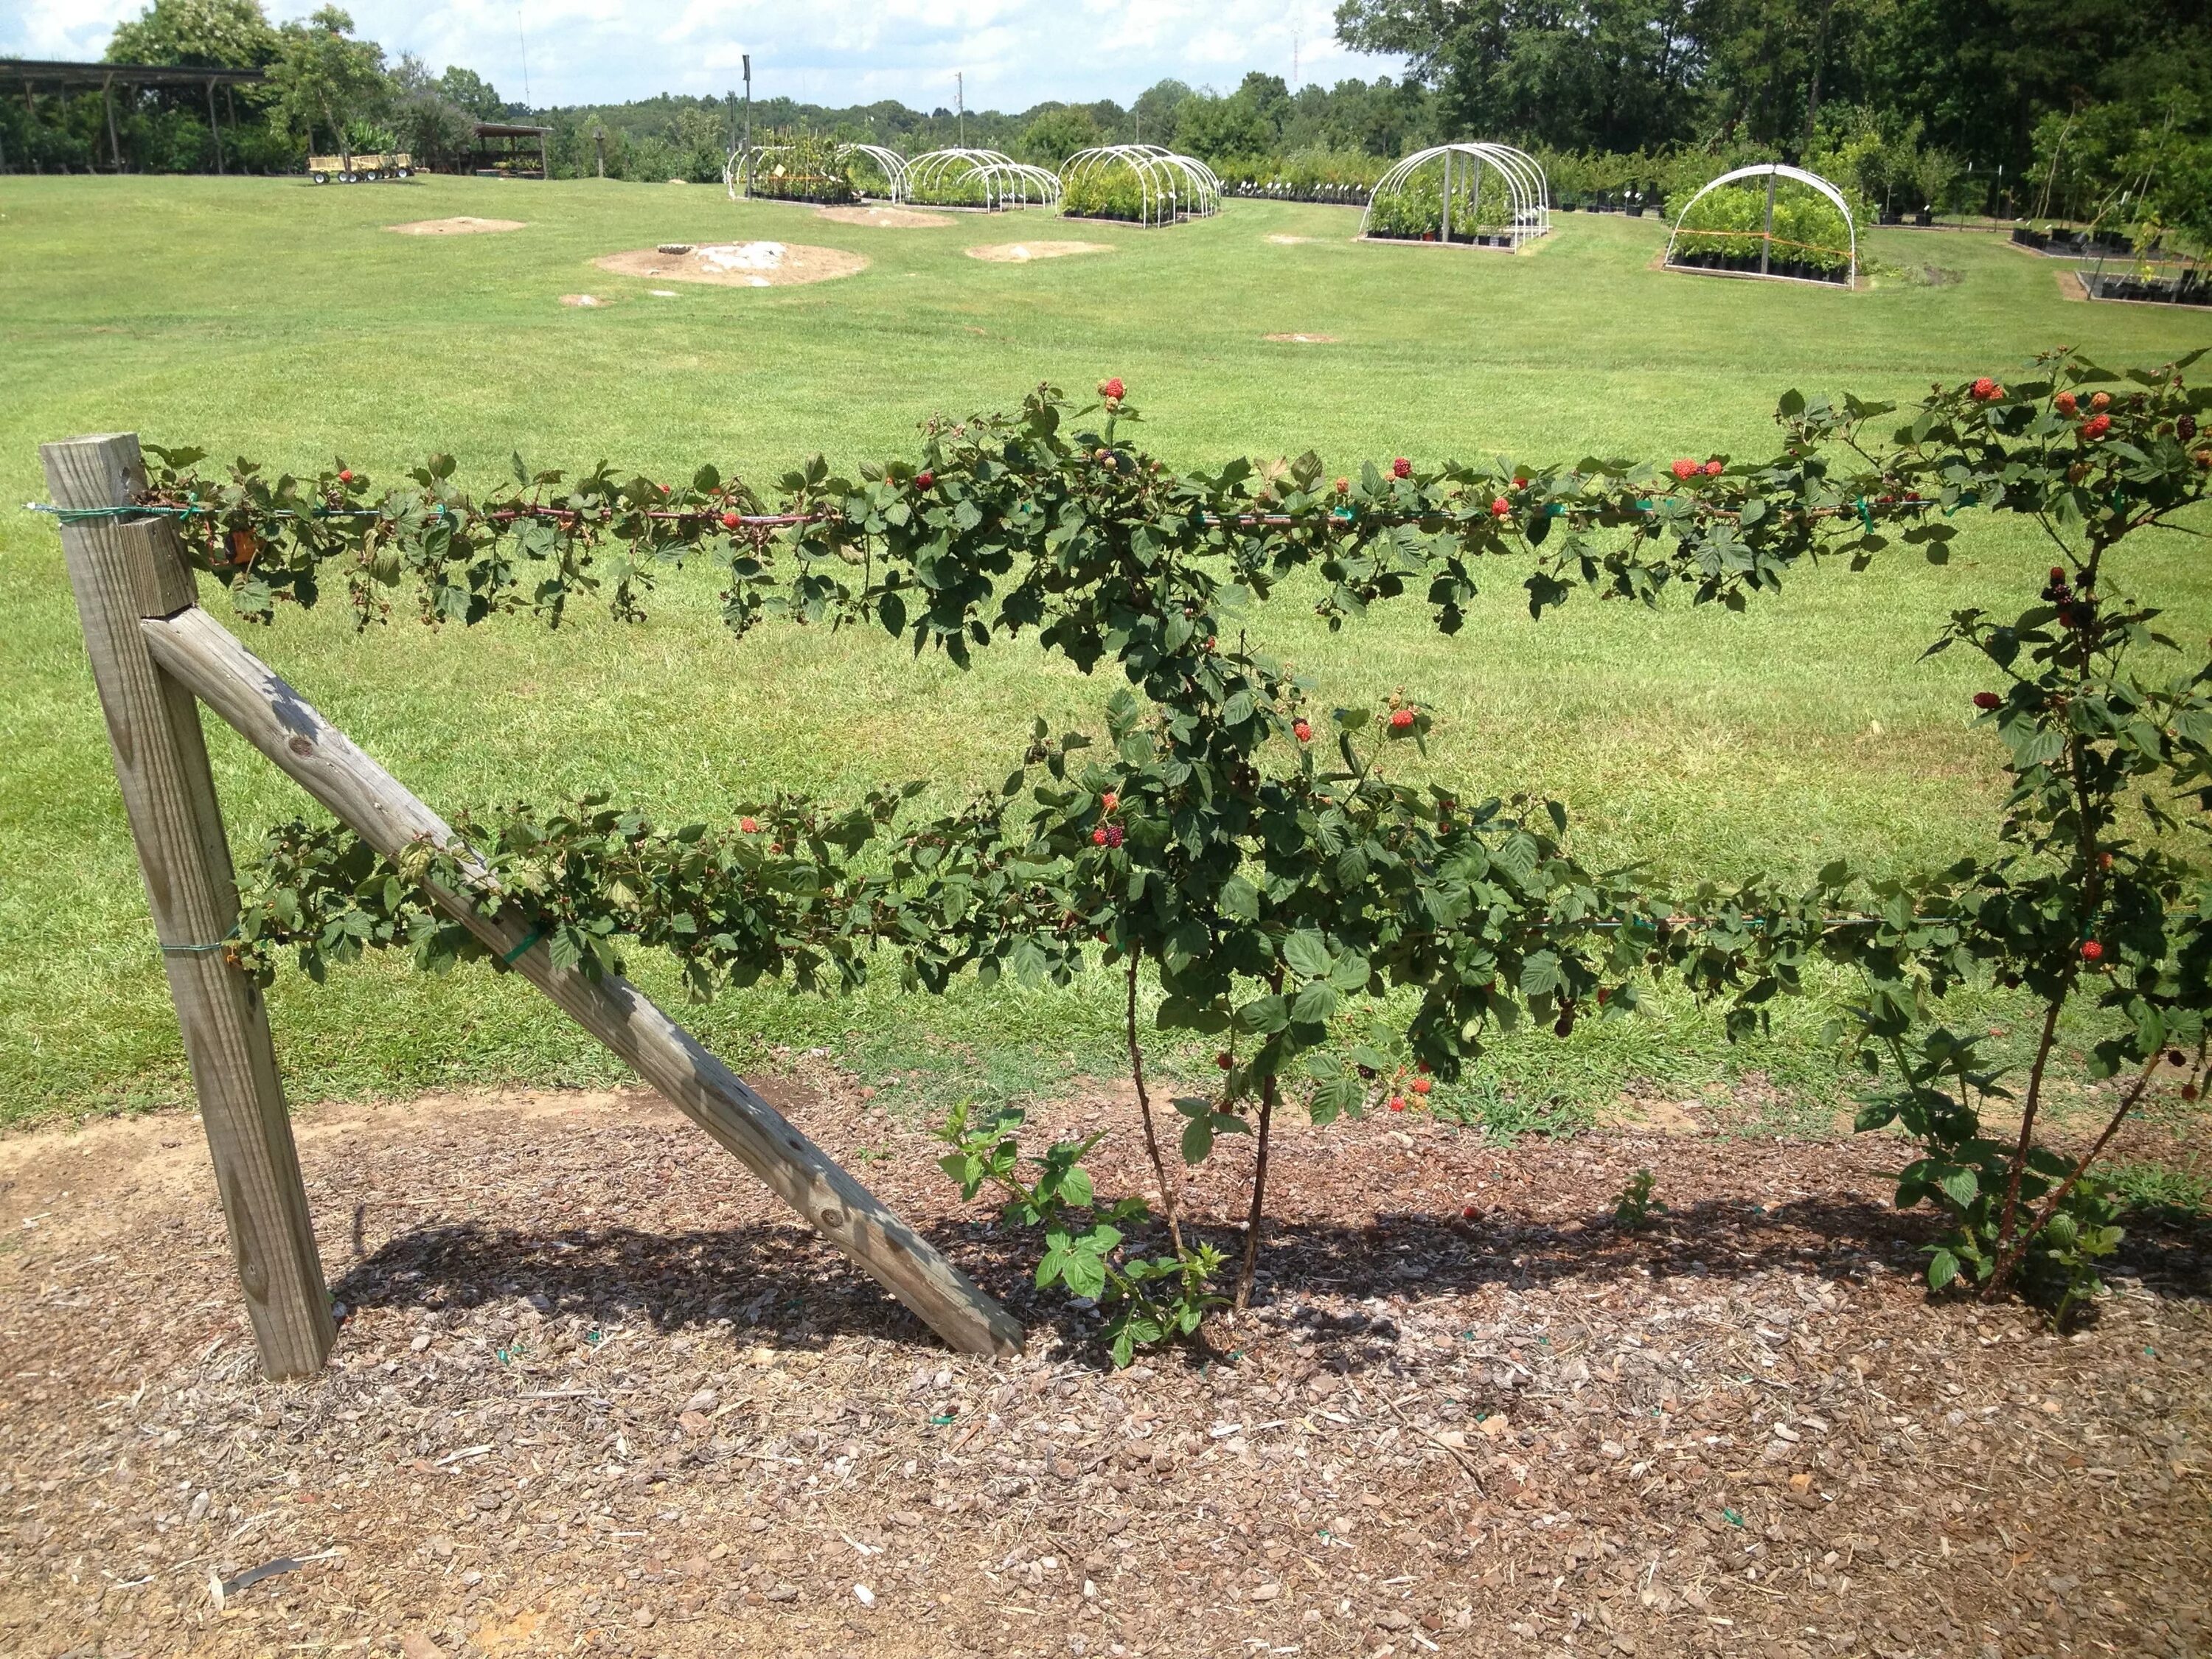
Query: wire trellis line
1860	508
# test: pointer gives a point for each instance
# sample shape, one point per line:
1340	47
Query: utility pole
746	155
960	102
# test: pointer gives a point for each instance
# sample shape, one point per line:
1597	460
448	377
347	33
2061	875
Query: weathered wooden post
123	569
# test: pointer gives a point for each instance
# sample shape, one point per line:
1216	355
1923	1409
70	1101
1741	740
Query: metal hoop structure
1000	180
1773	172
1527	194
739	171
1169	187
889	163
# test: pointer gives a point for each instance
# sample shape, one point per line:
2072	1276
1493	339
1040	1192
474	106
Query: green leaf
1240	899
1340	1096
1961	1187
1315	1004
1263	1016
1306	954
1540	973
1943	1268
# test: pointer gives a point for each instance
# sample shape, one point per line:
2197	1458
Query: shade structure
979	178
1476	194
1140	184
1749	234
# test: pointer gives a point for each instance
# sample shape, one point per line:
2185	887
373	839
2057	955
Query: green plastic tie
528	940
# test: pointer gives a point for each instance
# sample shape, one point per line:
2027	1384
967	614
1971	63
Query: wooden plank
121	570
279	722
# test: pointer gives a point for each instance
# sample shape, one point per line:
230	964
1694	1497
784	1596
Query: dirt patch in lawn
463	226
885	218
1291	241
595	1389
1303	339
1020	253
739	265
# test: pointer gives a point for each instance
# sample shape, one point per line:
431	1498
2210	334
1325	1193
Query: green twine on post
81	514
528	940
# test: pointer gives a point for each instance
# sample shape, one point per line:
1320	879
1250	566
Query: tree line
2087	110
327	91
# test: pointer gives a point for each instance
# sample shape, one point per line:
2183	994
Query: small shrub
1633	1209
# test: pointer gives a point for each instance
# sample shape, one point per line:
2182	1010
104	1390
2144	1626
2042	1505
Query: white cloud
64	29
1014	52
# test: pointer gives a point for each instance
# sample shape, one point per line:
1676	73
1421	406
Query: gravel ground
595	1392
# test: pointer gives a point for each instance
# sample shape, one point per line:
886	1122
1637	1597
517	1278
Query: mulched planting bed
596	1393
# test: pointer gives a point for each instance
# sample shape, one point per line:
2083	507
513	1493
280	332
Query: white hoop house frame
1004	182
738	172
889	163
1170	187
1774	172
1527	193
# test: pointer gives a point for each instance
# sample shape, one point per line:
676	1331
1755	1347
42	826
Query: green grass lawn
281	321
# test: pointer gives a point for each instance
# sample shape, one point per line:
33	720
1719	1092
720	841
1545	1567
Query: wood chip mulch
595	1392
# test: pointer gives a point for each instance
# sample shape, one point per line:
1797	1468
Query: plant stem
1249	1271
1168	1198
2010	1259
2028	1119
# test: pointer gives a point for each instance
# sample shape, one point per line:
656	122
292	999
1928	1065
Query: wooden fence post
121	570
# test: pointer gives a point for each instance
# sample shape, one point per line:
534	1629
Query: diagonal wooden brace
199	654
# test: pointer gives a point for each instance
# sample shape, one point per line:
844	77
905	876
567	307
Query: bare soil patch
462	226
587	302
596	1392
1291	241
1020	253
885	218
739	265
1303	339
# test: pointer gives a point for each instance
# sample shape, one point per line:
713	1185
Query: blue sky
1014	52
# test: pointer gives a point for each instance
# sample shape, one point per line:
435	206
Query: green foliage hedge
1727	225
1415	210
